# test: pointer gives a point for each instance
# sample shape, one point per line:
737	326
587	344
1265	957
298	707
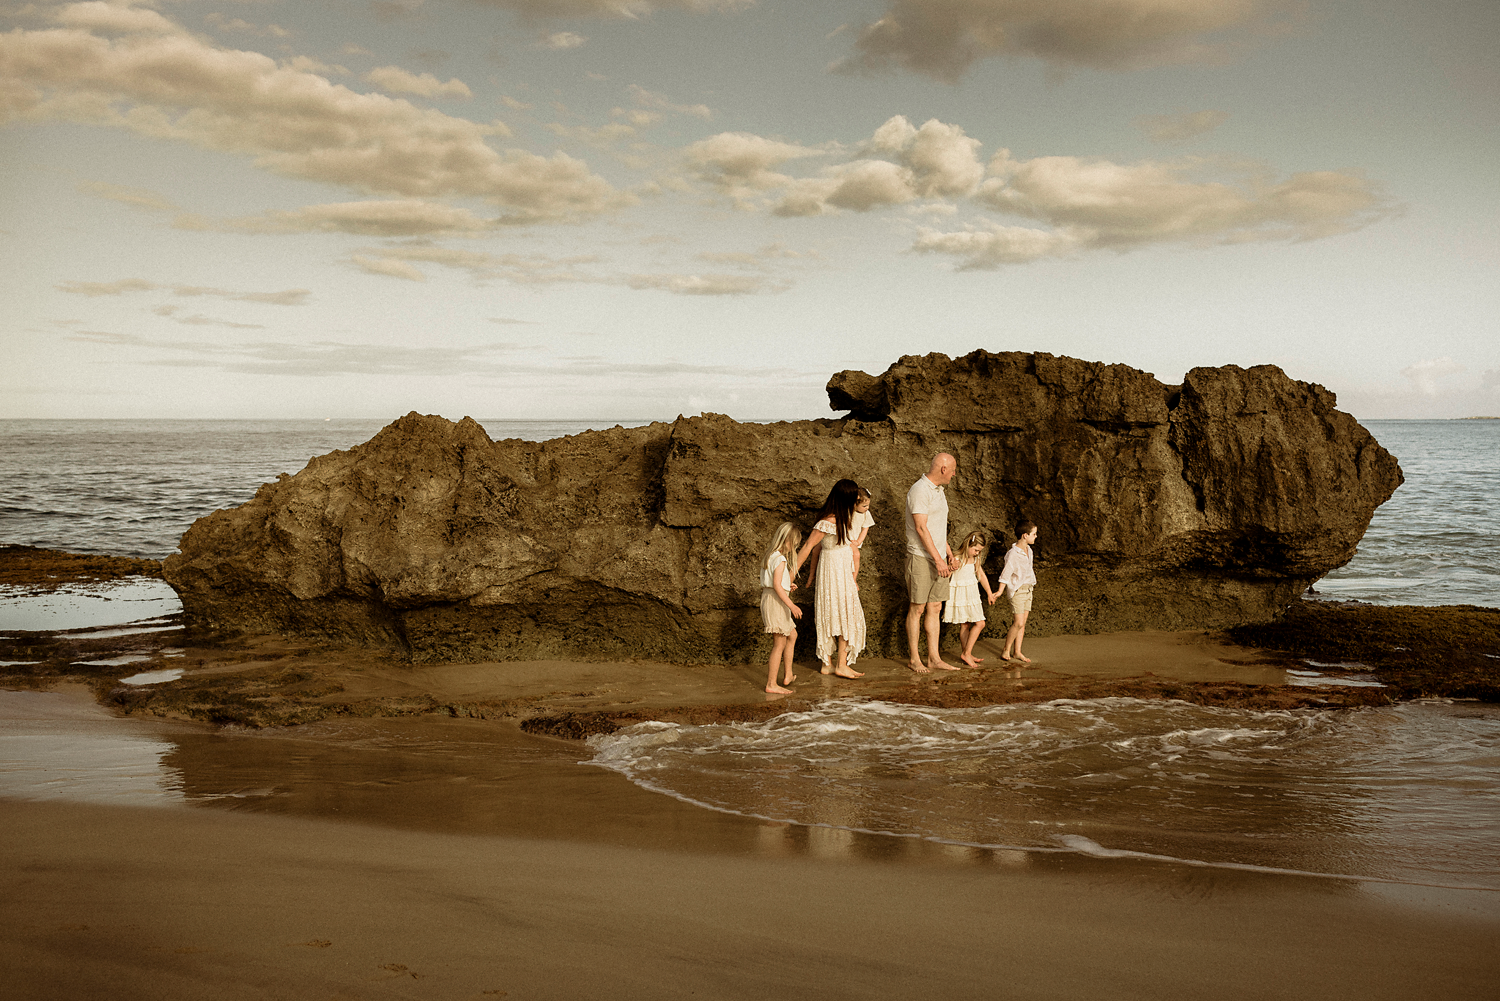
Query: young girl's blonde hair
786	537
969	540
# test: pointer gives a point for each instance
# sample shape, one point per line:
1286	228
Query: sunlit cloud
1427	373
561	40
287	297
134	69
943	39
1181	126
395	80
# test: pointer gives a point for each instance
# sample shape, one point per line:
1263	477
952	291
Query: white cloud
561	40
1425	374
402	260
705	284
395	80
937	160
171	85
944	38
1093	204
651	99
286	297
741	164
536	10
395	218
1181	126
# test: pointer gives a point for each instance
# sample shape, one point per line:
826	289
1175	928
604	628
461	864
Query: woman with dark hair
840	618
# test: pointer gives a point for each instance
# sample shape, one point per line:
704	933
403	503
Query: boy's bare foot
777	690
849	672
942	665
969	659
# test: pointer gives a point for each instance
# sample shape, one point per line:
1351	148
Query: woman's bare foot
969	659
849	672
777	690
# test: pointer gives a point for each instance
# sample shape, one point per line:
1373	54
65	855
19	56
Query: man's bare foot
777	690
942	665
848	672
918	667
969	659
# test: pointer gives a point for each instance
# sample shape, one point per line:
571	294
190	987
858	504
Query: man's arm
939	560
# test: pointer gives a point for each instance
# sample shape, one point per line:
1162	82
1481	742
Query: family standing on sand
935	575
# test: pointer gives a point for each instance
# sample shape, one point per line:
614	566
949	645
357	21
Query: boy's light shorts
1020	599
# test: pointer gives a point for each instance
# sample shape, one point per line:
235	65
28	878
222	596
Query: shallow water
1437	540
1408	793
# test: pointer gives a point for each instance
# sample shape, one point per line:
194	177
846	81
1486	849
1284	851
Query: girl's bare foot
849	672
1007	657
976	658
777	690
968	659
789	679
1023	658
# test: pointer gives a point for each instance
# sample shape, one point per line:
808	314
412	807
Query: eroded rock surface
1161	507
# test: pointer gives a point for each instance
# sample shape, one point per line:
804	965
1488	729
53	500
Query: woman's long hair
839	507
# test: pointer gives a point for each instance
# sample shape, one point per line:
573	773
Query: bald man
929	561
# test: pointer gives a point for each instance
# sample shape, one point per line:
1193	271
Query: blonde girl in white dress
860	526
776	608
840	617
964	606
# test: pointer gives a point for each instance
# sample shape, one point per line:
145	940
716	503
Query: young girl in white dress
776	608
840	617
964	606
860	525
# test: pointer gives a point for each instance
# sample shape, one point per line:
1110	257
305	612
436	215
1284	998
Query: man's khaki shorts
1020	599
923	585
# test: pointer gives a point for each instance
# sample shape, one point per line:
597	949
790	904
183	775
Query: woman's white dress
963	604
836	602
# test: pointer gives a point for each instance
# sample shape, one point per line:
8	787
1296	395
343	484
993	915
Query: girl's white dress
836	601
964	603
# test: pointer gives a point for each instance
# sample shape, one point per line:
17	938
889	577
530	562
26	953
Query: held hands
994	595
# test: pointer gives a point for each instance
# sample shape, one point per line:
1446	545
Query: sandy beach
665	900
566	881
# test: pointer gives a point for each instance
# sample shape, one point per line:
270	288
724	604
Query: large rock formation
1161	507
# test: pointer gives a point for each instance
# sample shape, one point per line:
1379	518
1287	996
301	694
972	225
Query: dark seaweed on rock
1450	651
1162	507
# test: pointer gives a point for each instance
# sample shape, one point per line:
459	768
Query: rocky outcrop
1161	507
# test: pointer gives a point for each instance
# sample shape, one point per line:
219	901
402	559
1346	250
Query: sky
634	209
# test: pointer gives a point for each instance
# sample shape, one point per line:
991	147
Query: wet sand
168	903
557	880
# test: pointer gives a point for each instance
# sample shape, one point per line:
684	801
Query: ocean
1407	793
